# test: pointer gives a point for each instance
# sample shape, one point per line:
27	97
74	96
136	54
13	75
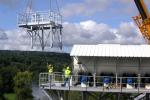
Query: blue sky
98	21
109	15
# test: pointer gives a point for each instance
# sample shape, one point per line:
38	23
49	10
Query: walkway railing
86	82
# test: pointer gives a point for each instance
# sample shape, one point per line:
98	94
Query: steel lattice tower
44	27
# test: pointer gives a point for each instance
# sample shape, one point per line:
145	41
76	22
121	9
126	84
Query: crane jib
142	9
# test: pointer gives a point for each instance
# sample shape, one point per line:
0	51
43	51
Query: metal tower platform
44	28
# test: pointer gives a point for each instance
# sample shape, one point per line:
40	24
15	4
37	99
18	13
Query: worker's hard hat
49	65
67	67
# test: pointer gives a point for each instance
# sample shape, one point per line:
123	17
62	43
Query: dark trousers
66	81
50	78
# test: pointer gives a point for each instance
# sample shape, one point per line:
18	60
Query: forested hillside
33	61
12	62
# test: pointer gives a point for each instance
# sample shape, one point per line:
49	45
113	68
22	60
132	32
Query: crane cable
29	6
50	5
57	5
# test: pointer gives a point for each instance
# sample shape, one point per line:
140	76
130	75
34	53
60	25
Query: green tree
6	79
23	85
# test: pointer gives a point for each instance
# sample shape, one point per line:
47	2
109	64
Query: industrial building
112	58
105	68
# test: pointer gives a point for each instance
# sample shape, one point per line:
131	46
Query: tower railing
39	18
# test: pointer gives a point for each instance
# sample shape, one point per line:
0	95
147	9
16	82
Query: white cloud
87	7
129	34
101	7
18	39
90	32
86	32
3	35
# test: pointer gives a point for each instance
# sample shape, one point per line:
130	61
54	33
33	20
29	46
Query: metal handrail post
54	78
69	81
50	81
103	86
87	83
116	79
121	84
139	82
39	79
94	79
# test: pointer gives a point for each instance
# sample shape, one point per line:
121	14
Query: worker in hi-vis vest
50	72
67	75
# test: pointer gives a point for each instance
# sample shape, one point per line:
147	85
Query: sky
84	22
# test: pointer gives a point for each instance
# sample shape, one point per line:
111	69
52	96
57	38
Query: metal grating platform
58	80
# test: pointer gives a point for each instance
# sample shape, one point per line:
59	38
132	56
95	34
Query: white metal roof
111	50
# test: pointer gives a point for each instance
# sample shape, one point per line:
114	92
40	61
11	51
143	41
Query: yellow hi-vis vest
50	71
67	73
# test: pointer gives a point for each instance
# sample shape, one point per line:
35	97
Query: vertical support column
116	79
51	80
66	95
147	96
61	95
31	34
84	95
39	80
139	74
42	44
32	40
60	38
94	79
51	36
139	82
117	96
121	84
34	37
94	73
117	71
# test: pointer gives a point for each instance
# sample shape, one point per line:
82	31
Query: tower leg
42	44
62	95
147	96
100	95
66	95
117	96
84	95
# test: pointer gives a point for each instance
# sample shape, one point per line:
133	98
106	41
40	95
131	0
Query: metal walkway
55	81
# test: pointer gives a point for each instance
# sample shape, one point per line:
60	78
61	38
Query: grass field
10	96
